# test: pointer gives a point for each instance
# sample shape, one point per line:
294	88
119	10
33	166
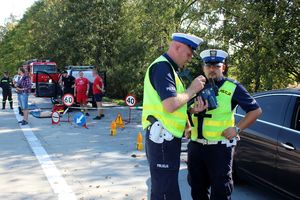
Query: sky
15	7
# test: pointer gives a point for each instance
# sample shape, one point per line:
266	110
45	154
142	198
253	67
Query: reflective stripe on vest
222	117
173	122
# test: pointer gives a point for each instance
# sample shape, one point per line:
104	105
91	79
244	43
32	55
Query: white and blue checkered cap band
190	40
213	55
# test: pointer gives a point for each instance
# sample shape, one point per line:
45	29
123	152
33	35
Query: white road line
57	182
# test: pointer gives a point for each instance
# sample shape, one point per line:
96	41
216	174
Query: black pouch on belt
151	119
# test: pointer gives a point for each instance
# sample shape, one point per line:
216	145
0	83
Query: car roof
80	67
43	63
291	91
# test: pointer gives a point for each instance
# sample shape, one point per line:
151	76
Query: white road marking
55	179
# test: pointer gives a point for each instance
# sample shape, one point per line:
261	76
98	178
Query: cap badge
213	53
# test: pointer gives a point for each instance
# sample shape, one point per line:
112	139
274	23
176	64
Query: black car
269	150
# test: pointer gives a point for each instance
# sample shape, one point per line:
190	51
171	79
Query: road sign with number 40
130	100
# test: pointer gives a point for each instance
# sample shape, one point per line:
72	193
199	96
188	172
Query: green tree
124	37
264	37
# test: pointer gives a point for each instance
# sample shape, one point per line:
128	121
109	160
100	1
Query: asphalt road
44	161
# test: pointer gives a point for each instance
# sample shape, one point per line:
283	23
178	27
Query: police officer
165	114
5	84
214	134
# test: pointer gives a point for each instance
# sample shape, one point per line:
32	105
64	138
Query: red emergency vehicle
44	66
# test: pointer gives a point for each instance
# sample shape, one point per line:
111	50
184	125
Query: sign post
55	118
80	119
130	101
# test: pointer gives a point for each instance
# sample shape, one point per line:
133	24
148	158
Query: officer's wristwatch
237	130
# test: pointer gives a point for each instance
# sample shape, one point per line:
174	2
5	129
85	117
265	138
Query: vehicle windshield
86	73
51	69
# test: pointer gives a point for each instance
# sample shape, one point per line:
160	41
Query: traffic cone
139	142
113	128
119	121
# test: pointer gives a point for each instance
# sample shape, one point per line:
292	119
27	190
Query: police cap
187	39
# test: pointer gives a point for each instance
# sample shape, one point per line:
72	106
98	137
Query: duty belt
228	143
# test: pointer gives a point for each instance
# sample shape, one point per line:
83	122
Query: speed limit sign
130	100
55	118
68	99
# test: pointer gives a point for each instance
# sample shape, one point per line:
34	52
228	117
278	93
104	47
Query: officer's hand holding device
208	95
196	85
199	106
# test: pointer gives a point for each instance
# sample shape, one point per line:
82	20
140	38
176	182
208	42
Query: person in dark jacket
5	84
67	82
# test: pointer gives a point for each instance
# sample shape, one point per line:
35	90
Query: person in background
5	84
67	82
15	81
23	88
98	92
81	91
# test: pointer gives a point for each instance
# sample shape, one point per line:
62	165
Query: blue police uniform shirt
162	78
240	97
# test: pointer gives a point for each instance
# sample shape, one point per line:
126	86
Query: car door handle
288	146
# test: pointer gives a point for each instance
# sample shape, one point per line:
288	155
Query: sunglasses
218	65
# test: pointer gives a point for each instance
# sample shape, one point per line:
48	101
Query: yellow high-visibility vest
221	118
174	122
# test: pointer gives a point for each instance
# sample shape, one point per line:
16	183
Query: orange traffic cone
119	121
139	142
113	128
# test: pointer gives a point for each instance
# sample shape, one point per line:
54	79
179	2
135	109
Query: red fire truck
45	67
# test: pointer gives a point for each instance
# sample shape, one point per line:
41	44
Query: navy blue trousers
164	163
210	166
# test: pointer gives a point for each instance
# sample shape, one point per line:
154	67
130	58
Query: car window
46	68
87	74
296	121
273	108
